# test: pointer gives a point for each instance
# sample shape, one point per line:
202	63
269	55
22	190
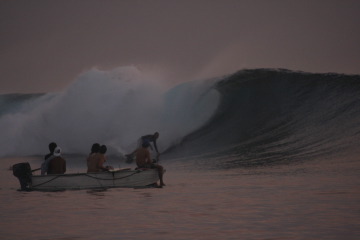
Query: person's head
103	149
156	135
57	152
95	148
145	144
52	147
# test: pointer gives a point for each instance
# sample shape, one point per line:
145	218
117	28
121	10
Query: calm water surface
303	201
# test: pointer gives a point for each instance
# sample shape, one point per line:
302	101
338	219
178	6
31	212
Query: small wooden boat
126	178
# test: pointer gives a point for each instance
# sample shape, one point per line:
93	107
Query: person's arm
43	168
148	157
45	165
64	166
155	146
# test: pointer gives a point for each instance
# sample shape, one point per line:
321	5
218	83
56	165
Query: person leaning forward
150	138
143	160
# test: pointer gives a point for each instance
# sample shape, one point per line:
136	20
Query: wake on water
250	117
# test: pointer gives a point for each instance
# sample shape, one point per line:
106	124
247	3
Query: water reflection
146	194
296	201
97	192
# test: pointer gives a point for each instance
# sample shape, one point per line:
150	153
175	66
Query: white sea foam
110	107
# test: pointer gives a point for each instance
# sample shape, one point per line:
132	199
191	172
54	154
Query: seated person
96	159
143	160
52	147
102	152
57	164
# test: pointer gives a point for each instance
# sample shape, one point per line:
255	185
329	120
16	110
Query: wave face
110	107
251	117
268	116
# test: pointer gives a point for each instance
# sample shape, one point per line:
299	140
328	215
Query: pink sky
45	45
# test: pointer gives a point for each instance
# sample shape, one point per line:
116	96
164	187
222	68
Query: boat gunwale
92	173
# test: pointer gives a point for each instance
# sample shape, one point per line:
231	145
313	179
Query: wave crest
111	107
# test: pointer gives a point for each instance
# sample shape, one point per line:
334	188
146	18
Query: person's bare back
143	160
143	157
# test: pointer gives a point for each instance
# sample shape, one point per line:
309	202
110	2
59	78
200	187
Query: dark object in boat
23	172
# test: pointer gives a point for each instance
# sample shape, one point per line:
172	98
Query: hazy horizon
45	45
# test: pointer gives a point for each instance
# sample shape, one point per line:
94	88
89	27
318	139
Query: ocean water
317	200
259	154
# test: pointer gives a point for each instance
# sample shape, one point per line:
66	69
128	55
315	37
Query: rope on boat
46	181
112	179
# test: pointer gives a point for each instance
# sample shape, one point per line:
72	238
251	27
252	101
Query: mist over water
113	107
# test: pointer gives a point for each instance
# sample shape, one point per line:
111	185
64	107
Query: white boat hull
115	178
122	178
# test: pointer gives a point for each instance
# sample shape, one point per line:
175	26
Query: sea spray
187	107
113	107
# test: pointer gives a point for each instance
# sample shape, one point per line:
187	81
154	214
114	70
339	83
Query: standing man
150	138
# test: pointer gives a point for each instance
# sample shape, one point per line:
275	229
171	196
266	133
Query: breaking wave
257	116
111	107
276	115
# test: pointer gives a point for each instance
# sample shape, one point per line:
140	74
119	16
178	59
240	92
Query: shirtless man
150	138
143	160
96	159
102	152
